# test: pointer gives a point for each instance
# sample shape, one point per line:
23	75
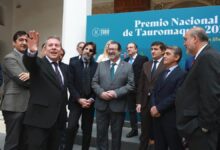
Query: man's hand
84	103
112	93
106	96
24	76
154	112
138	108
33	41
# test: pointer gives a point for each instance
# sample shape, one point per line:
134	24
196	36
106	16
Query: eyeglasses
90	50
112	49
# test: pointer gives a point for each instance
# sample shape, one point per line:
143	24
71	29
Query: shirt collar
159	60
134	56
19	53
117	62
172	68
200	50
50	60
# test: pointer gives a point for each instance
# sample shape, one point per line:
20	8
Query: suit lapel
136	60
120	67
158	70
170	77
63	68
108	66
148	70
19	59
49	72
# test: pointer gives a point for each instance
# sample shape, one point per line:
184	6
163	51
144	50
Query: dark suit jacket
146	82
164	95
137	66
122	84
197	102
74	59
1	78
75	81
48	98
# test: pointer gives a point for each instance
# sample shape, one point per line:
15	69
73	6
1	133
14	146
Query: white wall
44	16
5	30
74	25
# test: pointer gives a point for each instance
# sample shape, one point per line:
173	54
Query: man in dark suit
15	92
149	74
79	48
162	102
137	62
46	113
112	82
82	96
197	102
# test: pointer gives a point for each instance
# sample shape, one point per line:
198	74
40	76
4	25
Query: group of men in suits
35	95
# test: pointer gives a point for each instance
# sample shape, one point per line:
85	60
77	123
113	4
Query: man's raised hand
33	41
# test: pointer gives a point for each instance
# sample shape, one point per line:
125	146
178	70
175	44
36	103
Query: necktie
112	71
58	75
154	68
86	80
131	60
166	73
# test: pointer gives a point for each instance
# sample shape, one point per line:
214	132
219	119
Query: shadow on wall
2	21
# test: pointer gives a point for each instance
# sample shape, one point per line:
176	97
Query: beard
86	58
114	55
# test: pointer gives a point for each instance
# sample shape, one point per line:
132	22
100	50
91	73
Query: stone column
74	25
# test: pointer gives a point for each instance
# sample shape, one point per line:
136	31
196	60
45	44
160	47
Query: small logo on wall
96	32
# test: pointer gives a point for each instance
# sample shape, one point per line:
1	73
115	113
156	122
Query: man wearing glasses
113	80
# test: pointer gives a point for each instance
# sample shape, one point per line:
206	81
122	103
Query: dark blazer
197	101
48	98
1	78
163	97
146	82
74	59
137	66
122	84
164	94
75	81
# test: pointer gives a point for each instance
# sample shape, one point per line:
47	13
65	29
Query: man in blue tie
137	62
162	102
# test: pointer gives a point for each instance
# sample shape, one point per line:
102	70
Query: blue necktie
131	60
166	73
112	70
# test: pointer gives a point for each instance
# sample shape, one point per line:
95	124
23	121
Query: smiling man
16	92
82	97
46	113
112	82
162	102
